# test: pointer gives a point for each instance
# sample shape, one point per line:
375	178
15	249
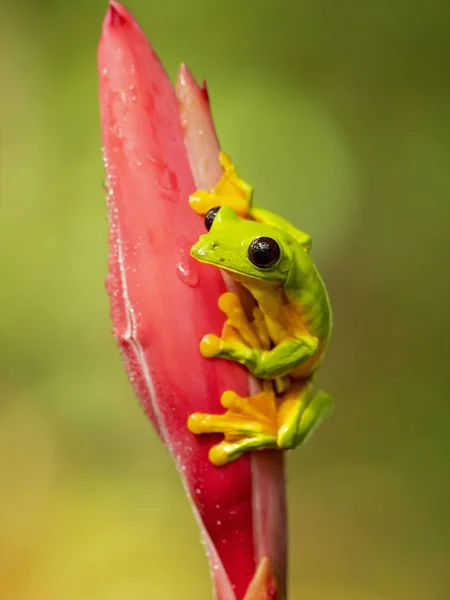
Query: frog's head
245	248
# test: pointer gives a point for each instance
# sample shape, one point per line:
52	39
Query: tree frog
283	341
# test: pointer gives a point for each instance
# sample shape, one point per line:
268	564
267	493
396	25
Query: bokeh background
339	114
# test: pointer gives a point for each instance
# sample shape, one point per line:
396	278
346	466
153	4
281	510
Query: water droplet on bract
105	157
137	157
166	179
218	522
168	184
132	89
187	272
216	567
117	130
198	491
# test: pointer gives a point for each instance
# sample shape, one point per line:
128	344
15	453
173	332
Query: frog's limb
264	364
225	452
230	304
230	191
316	411
248	424
300	413
252	415
263	421
260	327
238	328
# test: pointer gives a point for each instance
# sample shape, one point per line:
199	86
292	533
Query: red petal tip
204	89
116	15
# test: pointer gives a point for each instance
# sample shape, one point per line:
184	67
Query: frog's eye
210	216
264	252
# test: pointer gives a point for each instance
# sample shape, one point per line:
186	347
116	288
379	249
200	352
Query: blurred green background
339	114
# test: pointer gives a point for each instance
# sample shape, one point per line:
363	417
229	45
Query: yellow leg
263	420
249	423
238	334
230	304
225	452
251	415
230	191
300	413
260	327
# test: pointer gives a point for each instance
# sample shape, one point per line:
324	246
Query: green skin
292	282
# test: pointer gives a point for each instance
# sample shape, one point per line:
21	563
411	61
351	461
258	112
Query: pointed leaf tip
204	89
200	137
116	14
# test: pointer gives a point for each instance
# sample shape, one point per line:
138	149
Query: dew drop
198	491
168	184
218	522
166	179
137	156
117	131
187	272
132	89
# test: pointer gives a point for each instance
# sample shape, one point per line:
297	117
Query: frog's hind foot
226	451
230	191
248	424
263	420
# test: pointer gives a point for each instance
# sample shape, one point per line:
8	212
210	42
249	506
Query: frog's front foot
213	346
241	338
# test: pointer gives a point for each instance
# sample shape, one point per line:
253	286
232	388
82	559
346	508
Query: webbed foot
230	190
248	424
263	421
240	336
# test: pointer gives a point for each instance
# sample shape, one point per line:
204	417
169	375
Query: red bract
163	302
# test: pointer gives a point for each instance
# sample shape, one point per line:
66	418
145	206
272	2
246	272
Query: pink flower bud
163	302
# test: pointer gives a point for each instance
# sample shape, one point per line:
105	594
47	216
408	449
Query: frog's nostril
214	245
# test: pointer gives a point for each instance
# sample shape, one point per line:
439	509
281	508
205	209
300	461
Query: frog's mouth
208	255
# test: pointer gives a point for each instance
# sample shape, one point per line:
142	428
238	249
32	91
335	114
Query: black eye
264	252
210	216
